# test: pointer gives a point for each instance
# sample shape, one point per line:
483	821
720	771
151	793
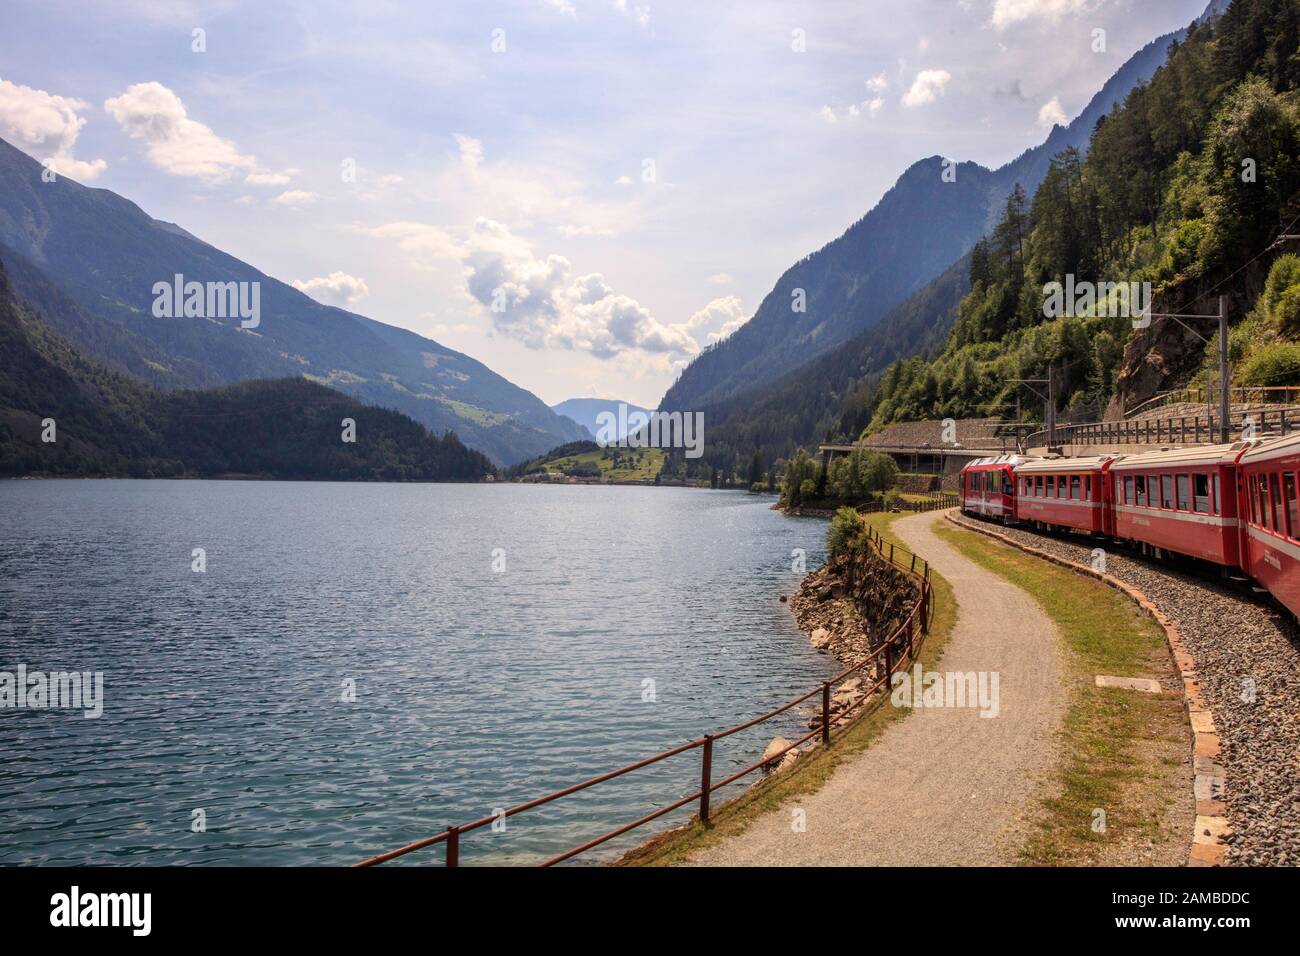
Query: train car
1072	493
1183	501
1270	517
987	487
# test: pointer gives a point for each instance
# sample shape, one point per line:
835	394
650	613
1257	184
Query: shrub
1277	363
846	528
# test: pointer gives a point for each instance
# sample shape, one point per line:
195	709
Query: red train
1237	506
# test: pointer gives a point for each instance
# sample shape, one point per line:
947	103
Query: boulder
821	638
770	758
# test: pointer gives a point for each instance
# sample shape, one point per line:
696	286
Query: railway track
1247	652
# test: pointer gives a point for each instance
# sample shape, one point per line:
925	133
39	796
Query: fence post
913	564
453	846
889	660
891	553
925	606
826	714
706	777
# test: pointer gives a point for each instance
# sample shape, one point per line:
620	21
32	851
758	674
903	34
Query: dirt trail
943	786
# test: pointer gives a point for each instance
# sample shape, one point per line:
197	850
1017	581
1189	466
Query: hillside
107	424
1187	186
104	253
588	460
917	230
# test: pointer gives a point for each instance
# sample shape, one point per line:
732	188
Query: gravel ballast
1248	666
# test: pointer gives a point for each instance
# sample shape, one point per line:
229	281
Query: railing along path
895	653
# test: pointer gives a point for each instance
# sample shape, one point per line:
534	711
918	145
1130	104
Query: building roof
969	433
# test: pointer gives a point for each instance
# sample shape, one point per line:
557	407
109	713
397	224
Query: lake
361	665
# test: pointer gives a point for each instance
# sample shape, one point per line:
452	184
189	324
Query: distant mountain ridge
104	254
920	227
102	423
586	412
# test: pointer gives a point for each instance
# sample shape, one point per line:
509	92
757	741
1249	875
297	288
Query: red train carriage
1184	501
1271	517
987	487
1069	493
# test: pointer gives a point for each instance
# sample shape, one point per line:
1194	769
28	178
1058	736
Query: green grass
812	771
616	464
1109	735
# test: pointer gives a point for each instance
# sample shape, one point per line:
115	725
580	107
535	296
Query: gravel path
1236	641
944	786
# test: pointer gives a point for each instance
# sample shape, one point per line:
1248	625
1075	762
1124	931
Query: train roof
1011	460
1042	466
1271	448
1196	457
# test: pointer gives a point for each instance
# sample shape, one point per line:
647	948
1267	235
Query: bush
893	499
1277	363
845	530
757	488
1281	298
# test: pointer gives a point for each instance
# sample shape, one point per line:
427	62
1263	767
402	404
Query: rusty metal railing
894	653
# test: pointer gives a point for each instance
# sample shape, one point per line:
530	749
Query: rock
770	757
784	599
821	638
788	760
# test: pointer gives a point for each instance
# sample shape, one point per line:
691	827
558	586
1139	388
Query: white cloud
471	151
1052	114
875	105
176	144
927	87
878	83
639	13
719	318
45	126
721	278
1008	12
623	181
828	115
266	177
541	302
562	6
296	198
337	288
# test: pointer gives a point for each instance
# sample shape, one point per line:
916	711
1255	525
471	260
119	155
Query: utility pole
1049	400
1225	405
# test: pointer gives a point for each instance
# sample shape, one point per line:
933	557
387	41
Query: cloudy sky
580	193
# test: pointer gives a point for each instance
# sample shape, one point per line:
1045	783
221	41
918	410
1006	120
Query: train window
1038	485
1184	493
1218	502
1062	488
1263	502
1141	484
1201	493
1275	505
1074	487
1292	511
1007	488
1167	491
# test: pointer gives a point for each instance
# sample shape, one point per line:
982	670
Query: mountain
1163	200
920	227
104	254
586	412
107	424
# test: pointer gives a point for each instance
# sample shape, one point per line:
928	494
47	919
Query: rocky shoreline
847	607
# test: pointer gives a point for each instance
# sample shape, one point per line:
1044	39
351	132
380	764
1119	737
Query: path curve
943	787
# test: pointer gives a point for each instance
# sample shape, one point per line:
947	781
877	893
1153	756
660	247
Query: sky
582	194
